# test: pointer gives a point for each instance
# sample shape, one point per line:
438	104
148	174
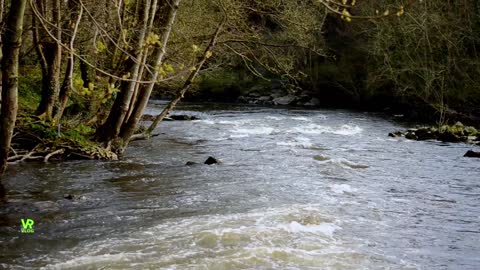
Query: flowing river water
296	189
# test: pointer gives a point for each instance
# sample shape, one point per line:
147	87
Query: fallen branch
142	136
58	152
29	155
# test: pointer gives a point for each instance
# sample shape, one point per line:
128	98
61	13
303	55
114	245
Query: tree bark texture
145	92
12	38
110	130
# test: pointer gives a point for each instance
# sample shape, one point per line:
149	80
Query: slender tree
145	92
110	130
12	41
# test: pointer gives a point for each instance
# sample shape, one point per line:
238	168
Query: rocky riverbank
279	97
457	133
454	134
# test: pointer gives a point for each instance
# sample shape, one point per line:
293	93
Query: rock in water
190	163
181	117
395	134
451	137
424	134
211	161
286	100
472	154
411	136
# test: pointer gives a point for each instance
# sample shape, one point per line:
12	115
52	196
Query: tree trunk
110	130
12	38
145	92
136	93
50	52
188	82
67	84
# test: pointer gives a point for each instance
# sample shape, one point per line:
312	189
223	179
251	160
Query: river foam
346	130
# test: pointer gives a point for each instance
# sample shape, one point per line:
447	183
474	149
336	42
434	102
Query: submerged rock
191	163
321	158
285	100
68	196
211	161
472	154
395	134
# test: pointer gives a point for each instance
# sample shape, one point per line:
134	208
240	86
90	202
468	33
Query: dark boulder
411	136
182	117
68	196
450	137
472	154
426	134
211	161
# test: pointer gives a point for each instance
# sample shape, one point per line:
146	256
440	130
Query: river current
295	189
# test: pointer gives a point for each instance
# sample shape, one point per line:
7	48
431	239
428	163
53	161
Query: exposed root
36	140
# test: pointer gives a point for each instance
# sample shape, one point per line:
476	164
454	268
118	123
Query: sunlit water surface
296	189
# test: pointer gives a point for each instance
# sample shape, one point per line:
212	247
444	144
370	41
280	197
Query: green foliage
458	129
218	81
79	134
100	47
430	54
29	88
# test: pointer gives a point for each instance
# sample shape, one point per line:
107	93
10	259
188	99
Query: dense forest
77	75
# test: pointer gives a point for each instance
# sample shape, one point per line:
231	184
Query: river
296	189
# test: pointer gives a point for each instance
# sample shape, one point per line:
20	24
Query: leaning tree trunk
145	92
188	83
12	38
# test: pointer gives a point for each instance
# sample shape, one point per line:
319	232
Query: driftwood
58	152
142	136
33	154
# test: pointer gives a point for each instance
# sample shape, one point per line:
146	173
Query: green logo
27	225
